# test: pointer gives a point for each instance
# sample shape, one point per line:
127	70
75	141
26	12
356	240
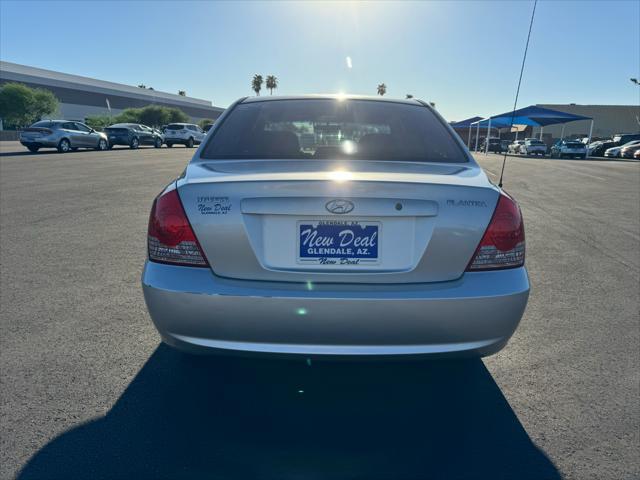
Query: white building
81	97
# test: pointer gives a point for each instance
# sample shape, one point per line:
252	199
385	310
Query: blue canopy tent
468	123
531	116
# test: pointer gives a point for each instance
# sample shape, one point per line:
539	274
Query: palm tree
271	83
256	84
142	85
182	93
409	96
433	104
382	89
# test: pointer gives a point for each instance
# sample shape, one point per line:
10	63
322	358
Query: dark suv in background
133	135
495	145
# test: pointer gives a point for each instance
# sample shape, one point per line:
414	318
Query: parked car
515	146
133	135
623	138
637	155
616	151
569	148
629	150
65	135
188	134
597	149
533	147
242	235
495	145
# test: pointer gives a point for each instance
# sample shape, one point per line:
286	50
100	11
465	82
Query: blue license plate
338	242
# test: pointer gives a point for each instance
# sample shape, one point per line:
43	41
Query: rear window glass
328	128
174	126
43	123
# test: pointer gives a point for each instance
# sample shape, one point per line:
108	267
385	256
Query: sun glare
340	176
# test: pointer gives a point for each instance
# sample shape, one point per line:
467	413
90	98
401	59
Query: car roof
334	96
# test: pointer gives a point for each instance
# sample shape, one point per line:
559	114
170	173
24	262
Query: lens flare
340	176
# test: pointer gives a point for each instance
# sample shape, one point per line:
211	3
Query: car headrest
279	143
375	143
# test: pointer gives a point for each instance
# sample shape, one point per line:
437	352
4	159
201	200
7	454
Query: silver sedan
343	226
64	135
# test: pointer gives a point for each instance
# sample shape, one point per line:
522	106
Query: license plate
338	242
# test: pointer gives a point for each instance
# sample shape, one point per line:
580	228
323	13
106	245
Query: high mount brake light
502	245
171	239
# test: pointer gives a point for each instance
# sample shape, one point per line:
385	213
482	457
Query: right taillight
502	245
171	239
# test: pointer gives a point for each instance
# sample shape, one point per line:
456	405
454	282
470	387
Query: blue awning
532	116
465	123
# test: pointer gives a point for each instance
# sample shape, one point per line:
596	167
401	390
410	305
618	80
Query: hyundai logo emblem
339	206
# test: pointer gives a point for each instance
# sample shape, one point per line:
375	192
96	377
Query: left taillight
502	245
170	237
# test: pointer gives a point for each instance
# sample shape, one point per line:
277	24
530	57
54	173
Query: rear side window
69	126
328	128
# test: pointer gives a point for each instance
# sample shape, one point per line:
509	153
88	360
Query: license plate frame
365	235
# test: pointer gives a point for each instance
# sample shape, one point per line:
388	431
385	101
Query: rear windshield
175	126
575	144
44	124
328	128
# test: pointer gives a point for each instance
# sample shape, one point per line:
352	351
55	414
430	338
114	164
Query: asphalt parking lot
87	391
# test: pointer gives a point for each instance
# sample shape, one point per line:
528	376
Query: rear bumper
119	140
43	143
196	311
181	140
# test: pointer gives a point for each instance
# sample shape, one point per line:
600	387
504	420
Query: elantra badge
339	206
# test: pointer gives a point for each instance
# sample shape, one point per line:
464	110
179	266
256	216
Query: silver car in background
533	147
342	226
64	135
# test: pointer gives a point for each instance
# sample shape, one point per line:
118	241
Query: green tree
382	89
271	83
45	103
21	105
256	84
98	121
205	121
128	115
154	115
177	116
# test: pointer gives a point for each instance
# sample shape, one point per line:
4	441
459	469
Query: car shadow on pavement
220	418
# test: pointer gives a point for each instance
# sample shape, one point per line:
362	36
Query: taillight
502	245
171	238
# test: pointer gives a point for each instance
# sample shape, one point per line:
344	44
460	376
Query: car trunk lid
318	221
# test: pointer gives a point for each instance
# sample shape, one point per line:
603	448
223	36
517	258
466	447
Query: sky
463	55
